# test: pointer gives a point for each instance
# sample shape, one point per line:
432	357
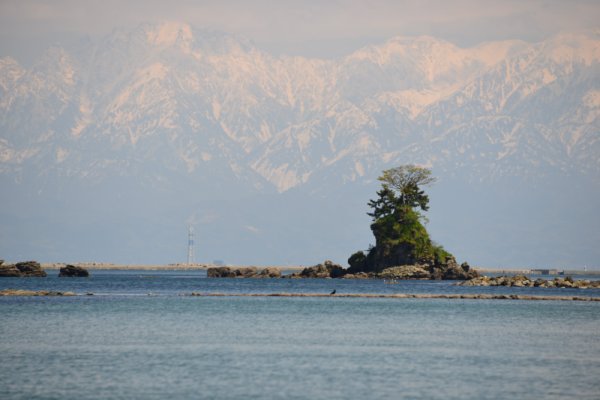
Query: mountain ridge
171	107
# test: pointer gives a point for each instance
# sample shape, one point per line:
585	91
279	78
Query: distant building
544	271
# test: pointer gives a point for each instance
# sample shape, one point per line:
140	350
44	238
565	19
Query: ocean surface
140	337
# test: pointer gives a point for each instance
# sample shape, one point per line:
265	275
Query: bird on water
332	292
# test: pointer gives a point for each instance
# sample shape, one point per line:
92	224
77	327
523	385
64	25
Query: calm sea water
124	343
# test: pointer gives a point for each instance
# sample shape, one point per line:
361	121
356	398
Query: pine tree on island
400	236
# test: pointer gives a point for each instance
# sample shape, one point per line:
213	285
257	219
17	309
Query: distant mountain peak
169	32
570	47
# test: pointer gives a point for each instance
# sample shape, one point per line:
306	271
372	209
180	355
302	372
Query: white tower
190	255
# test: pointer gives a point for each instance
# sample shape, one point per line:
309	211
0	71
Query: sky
310	28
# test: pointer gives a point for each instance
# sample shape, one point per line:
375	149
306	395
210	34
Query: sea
142	336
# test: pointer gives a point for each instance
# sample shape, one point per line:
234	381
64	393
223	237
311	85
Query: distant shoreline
202	266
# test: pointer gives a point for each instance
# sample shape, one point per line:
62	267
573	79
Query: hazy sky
308	27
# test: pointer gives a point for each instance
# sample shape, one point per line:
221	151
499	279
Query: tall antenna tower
190	255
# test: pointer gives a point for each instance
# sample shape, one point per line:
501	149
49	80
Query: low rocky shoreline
524	281
328	269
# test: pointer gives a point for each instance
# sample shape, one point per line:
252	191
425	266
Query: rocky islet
22	270
243	272
73	271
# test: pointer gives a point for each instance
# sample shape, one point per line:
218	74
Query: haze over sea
138	337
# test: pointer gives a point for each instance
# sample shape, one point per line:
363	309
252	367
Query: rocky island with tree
403	248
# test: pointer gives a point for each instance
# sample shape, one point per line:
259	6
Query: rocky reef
22	269
524	281
73	271
325	270
243	272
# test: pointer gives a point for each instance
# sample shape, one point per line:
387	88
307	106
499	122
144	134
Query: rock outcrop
243	272
359	275
22	269
450	270
447	271
269	272
9	270
325	270
524	281
73	271
405	272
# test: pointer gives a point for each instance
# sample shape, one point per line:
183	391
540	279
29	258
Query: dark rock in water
224	272
22	269
244	272
30	268
450	270
456	273
326	270
269	272
73	271
220	272
10	271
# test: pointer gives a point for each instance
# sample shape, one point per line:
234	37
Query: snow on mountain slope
203	95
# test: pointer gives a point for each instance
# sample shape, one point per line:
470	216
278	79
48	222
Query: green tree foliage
405	182
400	236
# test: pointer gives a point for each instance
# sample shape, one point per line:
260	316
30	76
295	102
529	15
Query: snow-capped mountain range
167	103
